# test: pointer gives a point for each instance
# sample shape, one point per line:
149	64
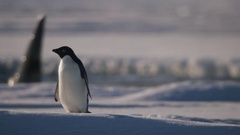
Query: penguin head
63	51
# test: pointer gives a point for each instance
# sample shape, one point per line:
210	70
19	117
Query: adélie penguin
72	88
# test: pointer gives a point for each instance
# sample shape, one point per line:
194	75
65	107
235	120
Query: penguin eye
64	51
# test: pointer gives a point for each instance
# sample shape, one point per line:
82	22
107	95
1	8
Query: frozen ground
190	107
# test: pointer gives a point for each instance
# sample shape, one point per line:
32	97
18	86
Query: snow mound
190	91
16	122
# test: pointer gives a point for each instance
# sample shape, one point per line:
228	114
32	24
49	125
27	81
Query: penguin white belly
72	88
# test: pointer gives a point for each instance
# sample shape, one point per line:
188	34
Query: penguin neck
67	59
67	65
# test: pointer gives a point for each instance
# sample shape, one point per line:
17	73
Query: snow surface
191	91
166	109
56	123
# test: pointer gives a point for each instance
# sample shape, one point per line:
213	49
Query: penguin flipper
83	73
89	94
56	95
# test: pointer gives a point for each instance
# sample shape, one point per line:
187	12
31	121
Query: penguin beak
57	51
54	50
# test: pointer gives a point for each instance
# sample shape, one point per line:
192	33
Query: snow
30	108
191	91
52	123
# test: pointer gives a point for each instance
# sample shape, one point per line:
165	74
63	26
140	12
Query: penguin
72	88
